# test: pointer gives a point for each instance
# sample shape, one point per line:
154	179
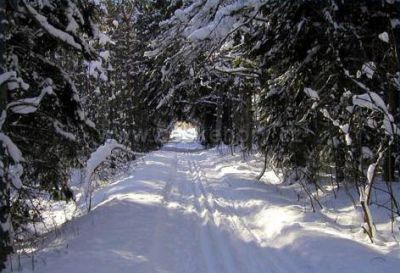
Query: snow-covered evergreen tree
43	123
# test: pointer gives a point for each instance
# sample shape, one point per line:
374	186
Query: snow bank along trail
187	212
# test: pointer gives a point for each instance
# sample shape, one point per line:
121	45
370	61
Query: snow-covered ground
183	139
200	211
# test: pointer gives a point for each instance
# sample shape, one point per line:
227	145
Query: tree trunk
264	167
219	130
396	34
5	225
393	99
249	122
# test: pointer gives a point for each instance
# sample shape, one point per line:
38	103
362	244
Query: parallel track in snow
178	213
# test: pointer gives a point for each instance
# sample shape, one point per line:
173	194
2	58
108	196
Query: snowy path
193	212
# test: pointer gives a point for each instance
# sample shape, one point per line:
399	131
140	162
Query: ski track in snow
181	212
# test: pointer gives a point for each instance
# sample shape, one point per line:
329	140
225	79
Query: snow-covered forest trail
193	211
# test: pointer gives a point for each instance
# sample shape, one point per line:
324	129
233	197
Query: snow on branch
75	93
223	21
11	148
29	105
59	130
171	93
68	38
311	93
373	101
96	158
55	32
7	76
240	71
16	169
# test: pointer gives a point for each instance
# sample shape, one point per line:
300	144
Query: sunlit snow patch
184	137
